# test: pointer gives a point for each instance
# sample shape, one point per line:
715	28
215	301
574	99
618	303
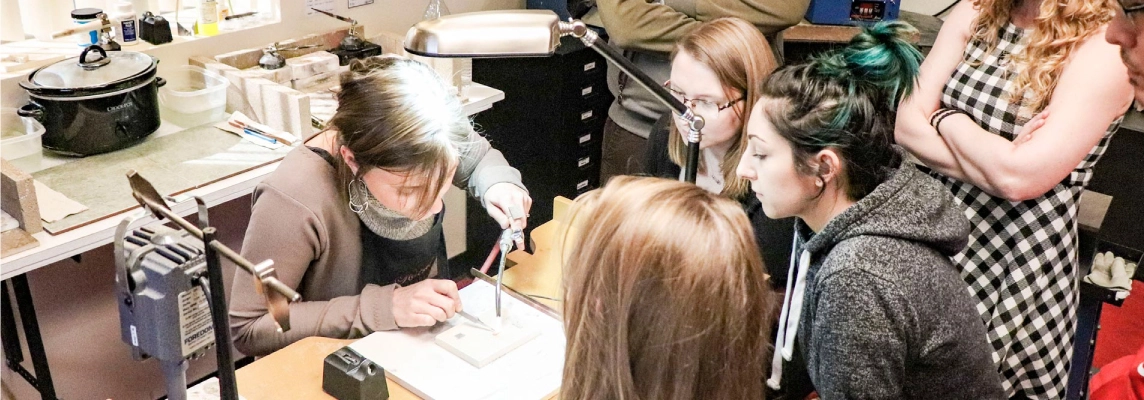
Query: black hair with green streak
845	100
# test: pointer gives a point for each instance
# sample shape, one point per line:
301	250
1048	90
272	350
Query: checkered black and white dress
1021	260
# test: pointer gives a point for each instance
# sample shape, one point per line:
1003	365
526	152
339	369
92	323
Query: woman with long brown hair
1014	106
352	218
665	295
717	70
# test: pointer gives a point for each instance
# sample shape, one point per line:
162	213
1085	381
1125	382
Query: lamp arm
592	39
579	30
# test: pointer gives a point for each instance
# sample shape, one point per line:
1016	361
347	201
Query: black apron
404	262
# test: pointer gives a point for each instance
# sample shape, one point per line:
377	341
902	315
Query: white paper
54	206
411	358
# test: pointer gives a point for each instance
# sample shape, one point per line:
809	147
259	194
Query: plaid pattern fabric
1021	260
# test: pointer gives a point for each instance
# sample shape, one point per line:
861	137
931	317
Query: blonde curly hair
1060	27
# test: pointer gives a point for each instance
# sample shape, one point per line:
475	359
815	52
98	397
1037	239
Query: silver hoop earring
360	184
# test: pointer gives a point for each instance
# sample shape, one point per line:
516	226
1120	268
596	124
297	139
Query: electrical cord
204	283
489	261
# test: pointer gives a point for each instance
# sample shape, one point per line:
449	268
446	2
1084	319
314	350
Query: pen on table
242	125
251	132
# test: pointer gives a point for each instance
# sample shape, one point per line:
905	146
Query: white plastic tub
20	139
191	90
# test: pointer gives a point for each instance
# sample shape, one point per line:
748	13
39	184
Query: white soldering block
478	346
493	321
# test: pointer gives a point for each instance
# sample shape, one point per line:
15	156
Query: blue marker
251	132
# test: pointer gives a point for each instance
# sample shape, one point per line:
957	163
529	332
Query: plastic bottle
126	24
436	9
464	66
85	16
208	18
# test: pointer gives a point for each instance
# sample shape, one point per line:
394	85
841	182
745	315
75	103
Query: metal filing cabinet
549	126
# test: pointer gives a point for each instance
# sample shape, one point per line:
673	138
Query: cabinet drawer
586	116
586	161
589	139
586	179
587	67
587	92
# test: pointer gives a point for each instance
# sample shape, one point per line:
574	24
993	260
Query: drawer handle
586	91
582	185
589	66
583	161
585	115
586	138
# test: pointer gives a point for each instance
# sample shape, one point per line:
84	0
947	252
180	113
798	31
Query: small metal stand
277	293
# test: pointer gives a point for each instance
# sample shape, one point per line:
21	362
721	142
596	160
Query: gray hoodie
885	314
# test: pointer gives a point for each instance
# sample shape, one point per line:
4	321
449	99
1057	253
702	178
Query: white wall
928	7
383	15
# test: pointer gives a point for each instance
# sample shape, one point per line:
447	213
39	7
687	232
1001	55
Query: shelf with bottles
22	56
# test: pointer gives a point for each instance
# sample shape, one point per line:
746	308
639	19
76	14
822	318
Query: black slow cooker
95	103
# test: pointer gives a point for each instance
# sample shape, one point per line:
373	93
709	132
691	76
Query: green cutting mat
174	163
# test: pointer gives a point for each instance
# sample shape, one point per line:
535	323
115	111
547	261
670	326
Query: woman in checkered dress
1015	105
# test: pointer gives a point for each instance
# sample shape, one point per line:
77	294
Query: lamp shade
515	33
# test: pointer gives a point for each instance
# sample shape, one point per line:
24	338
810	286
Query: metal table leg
13	354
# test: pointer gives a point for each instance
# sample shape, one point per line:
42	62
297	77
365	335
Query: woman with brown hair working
352	219
666	295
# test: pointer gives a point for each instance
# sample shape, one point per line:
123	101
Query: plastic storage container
20	140
193	96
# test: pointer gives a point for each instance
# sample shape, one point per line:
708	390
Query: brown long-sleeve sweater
299	220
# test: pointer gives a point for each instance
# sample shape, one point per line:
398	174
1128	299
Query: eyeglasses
1131	12
700	106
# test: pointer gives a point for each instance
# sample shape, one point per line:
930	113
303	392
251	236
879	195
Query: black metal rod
656	88
231	255
228	386
32	336
13	353
691	169
613	56
12	350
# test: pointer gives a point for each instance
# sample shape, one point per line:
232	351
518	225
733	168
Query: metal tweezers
507	238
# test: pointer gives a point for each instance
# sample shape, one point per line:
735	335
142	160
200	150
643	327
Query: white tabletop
53	248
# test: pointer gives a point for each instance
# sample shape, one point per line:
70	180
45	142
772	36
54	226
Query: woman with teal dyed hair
874	309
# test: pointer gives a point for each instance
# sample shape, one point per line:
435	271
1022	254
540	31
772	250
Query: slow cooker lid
94	68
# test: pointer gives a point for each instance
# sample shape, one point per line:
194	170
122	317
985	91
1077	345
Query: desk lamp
536	33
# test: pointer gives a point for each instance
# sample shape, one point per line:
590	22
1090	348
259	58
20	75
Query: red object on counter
1122	379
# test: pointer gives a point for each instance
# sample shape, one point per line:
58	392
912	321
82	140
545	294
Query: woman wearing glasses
716	70
1015	104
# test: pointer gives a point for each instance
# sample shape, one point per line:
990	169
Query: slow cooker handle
90	65
31	110
160	82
